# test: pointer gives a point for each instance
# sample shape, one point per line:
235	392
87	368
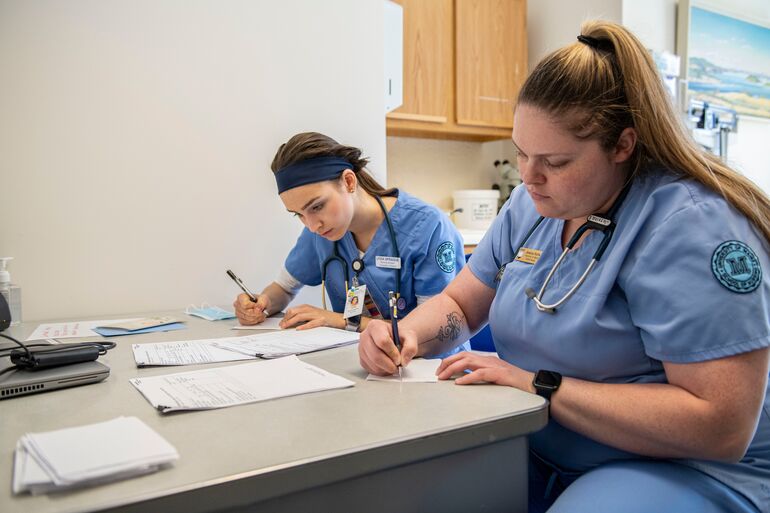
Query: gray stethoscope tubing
603	222
336	257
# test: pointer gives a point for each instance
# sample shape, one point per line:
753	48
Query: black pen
393	303
238	281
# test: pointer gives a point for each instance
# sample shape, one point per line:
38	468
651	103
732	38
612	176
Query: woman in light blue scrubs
656	365
357	234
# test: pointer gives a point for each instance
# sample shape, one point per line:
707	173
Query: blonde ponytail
608	83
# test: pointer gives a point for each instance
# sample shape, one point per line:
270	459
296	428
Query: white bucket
479	208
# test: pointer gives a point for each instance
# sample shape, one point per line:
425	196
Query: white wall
552	24
747	150
653	22
136	138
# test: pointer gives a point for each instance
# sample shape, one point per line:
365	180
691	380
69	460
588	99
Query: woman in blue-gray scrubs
361	241
653	350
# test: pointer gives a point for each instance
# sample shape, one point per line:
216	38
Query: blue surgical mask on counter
208	312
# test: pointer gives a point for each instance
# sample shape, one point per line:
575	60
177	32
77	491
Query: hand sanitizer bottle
11	292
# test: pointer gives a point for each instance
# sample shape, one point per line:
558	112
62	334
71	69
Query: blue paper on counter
115	332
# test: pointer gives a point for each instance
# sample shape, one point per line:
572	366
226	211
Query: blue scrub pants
633	486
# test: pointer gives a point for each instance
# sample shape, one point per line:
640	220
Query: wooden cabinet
464	62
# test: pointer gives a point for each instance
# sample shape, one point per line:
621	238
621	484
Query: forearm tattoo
451	331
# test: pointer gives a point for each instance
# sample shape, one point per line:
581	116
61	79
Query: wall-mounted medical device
711	125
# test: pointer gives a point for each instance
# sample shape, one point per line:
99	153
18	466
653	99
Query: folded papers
137	326
116	332
87	455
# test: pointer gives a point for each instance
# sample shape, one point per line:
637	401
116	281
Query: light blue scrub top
430	247
655	296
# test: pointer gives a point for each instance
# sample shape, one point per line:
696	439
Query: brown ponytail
309	145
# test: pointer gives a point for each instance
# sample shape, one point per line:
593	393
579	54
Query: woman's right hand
377	352
248	312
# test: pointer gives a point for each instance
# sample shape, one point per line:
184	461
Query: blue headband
313	170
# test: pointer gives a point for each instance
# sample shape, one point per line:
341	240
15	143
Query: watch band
546	383
353	323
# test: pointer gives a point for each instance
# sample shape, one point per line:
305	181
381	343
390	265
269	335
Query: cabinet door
428	54
491	48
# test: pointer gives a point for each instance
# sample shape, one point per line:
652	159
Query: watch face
548	379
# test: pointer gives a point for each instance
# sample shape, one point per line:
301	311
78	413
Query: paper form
236	384
271	323
418	371
191	352
72	329
286	342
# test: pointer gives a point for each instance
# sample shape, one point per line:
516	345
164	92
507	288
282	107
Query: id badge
528	255
354	301
387	262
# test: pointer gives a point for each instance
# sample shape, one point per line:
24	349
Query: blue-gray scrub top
676	284
429	245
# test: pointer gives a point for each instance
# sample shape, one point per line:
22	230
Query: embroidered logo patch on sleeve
445	256
736	267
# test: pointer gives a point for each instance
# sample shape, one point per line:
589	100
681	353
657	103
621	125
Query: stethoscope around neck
358	263
602	222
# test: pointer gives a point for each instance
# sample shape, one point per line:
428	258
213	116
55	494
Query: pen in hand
238	282
392	302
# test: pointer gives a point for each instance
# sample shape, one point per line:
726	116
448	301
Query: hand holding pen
393	304
249	309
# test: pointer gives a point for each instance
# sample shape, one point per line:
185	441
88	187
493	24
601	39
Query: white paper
86	455
236	384
27	474
188	352
271	323
286	342
229	349
418	371
72	329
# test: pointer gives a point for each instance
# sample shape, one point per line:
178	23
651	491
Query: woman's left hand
485	369
312	316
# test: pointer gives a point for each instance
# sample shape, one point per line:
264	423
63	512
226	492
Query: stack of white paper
107	451
236	384
283	343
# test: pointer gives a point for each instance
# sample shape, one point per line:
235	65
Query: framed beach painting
727	57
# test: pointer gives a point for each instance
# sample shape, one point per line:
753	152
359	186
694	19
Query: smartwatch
546	383
353	323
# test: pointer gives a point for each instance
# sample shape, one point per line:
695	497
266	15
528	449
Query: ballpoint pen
238	282
393	303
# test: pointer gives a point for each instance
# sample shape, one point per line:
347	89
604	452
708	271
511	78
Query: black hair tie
604	45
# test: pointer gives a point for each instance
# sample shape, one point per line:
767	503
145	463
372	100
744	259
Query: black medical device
5	314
